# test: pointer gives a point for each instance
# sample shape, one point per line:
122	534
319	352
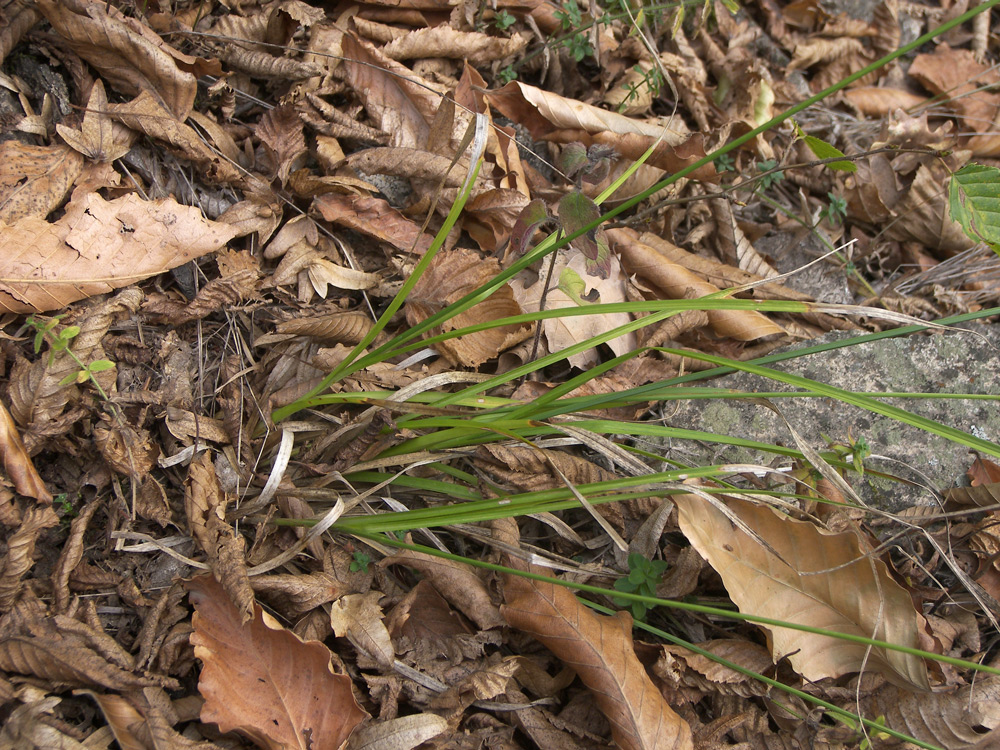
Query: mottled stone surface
953	362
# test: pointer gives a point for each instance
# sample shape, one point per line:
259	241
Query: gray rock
952	362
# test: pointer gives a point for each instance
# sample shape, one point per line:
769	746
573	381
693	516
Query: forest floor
247	503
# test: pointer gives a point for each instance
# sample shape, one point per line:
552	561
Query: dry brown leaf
835	585
573	287
682	668
129	55
456	582
125	721
265	65
923	211
879	102
358	617
963	81
402	733
98	246
71	556
954	720
873	191
733	244
20	552
294	595
205	508
374	217
16	461
983	495
550	116
408	162
502	148
263	681
126	450
599	649
444	41
490	216
541	112
280	130
424	615
815	51
332	328
34	180
98	138
451	275
983	471
146	115
30	727
238	282
202	499
249	216
644	258
392	94
21	16
67	651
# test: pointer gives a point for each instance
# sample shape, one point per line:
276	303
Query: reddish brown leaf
280	130
16	461
600	650
451	275
263	681
983	471
374	217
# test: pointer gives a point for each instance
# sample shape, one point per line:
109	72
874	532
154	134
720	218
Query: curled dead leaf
128	54
600	650
16	461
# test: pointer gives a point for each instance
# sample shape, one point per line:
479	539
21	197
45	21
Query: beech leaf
264	681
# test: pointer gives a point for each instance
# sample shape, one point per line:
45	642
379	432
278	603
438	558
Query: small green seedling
504	20
60	341
725	163
651	79
360	562
576	43
768	180
643	577
836	211
507	75
855	451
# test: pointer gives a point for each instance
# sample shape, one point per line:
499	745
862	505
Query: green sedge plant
485	418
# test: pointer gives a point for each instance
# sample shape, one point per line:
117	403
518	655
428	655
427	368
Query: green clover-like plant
360	562
643	577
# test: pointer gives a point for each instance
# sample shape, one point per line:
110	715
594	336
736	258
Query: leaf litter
205	206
